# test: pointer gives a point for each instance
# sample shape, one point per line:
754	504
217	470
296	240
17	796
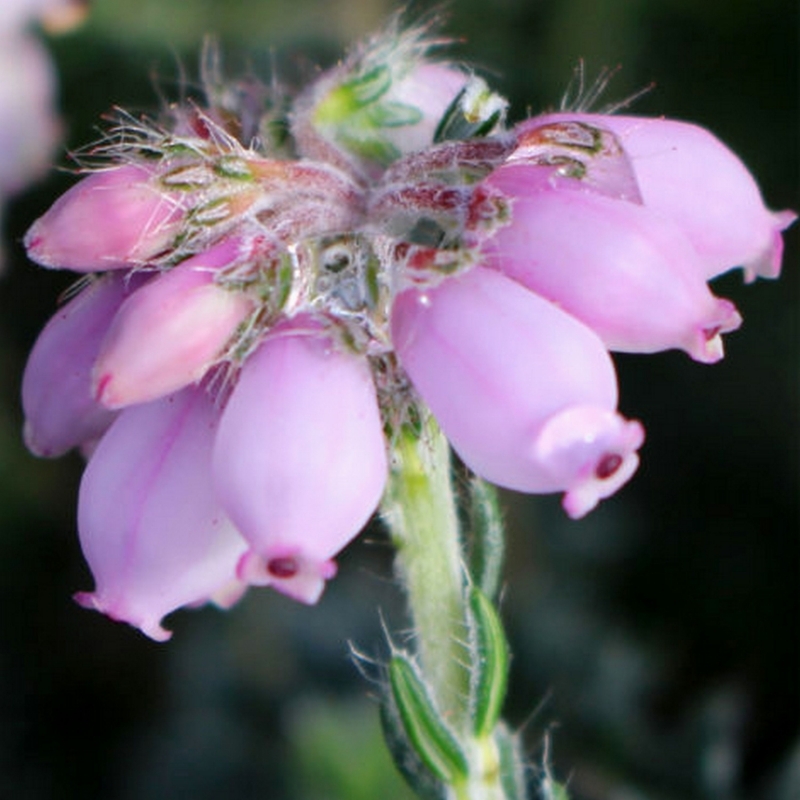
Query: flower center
283	567
607	466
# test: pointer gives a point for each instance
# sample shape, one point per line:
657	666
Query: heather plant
291	307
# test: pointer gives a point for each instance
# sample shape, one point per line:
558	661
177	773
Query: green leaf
430	737
488	541
405	757
490	667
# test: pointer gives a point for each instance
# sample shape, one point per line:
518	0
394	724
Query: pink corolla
689	176
113	219
273	315
621	221
60	409
170	332
525	393
300	460
151	528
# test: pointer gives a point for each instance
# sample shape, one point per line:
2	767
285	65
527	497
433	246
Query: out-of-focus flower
29	125
274	313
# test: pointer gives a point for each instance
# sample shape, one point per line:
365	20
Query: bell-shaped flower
167	335
300	459
525	393
151	528
108	220
60	411
626	272
685	173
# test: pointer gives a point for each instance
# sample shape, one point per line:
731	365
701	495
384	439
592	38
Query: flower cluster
29	127
274	286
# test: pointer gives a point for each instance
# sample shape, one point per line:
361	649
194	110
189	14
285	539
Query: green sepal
430	737
489	677
370	86
394	115
487	540
485	111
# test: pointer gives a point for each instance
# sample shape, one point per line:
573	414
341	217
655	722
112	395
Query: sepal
475	111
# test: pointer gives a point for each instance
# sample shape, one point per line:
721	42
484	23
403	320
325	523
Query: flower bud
300	459
108	220
685	173
151	528
382	102
525	393
167	334
629	274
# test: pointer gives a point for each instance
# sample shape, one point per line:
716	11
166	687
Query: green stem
419	508
420	512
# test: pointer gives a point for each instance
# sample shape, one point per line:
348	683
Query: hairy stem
420	512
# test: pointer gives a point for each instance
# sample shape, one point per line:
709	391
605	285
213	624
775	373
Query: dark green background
656	642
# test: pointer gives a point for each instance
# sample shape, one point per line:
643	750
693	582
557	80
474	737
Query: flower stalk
420	511
447	697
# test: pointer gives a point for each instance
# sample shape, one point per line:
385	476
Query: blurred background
655	642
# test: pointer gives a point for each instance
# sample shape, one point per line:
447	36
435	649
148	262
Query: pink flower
300	459
687	175
269	322
151	528
168	333
525	393
629	274
60	410
108	220
621	221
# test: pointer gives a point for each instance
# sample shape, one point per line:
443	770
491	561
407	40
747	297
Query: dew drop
607	466
282	567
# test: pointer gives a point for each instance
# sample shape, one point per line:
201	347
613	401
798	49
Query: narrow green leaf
487	537
433	741
405	757
490	668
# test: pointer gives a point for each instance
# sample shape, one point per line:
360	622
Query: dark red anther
282	567
607	466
